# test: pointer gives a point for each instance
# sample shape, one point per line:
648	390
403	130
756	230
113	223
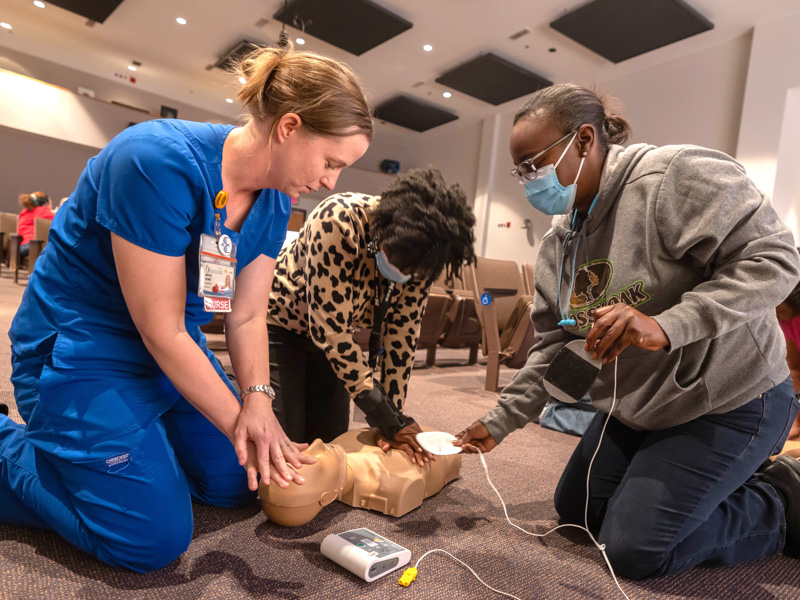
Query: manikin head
298	504
357	472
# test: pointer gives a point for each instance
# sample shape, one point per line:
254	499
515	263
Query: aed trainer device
364	553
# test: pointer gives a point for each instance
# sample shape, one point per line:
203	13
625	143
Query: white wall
696	99
455	154
105	90
787	175
773	71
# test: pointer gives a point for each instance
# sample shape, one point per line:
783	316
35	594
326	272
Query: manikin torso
355	471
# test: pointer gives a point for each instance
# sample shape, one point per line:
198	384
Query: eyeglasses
526	170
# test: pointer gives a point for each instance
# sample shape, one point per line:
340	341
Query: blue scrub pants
664	501
110	460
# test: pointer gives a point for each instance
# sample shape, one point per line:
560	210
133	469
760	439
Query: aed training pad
571	373
438	442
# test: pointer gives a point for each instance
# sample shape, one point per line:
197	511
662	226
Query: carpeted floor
237	554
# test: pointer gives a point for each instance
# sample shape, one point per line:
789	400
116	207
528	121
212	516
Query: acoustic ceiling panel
352	25
621	29
493	79
232	57
96	10
413	113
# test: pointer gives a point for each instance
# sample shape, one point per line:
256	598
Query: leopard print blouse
324	287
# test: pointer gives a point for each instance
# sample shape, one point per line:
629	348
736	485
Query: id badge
217	272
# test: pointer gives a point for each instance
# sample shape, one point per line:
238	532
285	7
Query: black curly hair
425	225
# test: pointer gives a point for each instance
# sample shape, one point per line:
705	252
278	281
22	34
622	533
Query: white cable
585	528
601	547
470	570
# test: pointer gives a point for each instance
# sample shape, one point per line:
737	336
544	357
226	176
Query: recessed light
229	100
181	21
131	68
447	94
5	25
427	47
242	80
300	41
38	3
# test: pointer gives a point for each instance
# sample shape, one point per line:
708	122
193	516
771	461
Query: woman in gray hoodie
669	262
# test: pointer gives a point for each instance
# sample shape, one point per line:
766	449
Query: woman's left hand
618	326
262	445
406	440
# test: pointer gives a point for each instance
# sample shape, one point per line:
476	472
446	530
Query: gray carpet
237	554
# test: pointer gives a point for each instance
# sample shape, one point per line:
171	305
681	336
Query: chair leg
430	358
473	355
492	372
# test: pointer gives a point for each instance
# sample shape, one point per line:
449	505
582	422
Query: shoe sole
791	466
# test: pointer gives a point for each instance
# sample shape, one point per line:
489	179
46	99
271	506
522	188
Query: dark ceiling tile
621	29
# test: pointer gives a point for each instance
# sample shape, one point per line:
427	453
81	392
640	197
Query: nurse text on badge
217	261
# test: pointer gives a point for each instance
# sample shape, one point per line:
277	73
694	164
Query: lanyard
577	227
219	203
381	307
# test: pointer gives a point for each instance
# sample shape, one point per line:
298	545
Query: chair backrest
505	278
41	229
527	277
8	225
456	284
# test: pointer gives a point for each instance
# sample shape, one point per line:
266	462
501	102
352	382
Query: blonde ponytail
326	94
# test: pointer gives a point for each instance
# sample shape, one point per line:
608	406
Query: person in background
60	204
34	206
687	261
128	414
788	313
362	261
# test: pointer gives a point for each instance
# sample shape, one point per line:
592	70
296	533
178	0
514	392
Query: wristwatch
267	389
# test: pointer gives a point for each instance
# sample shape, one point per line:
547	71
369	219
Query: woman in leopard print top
325	285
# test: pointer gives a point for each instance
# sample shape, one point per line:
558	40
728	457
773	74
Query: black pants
310	401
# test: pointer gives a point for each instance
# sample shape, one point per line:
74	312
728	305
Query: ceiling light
242	80
300	41
38	3
131	68
229	100
447	94
181	21
5	25
427	47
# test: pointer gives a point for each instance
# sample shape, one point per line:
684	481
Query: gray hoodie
683	235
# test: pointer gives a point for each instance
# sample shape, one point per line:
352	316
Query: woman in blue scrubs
128	414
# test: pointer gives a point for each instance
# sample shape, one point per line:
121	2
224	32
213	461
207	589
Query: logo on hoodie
590	292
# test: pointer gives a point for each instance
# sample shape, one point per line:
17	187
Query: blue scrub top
153	185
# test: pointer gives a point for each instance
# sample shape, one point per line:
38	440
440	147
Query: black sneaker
3	409
784	475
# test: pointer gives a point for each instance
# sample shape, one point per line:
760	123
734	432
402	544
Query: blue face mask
388	270
546	194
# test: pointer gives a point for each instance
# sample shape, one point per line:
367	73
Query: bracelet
267	389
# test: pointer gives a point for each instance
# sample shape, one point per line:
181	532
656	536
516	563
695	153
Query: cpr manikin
357	472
